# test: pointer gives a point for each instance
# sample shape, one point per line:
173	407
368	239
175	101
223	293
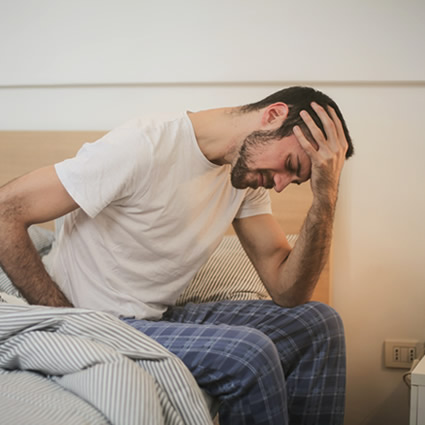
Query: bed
74	366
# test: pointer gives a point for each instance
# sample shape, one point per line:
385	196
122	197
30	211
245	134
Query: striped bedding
73	366
227	275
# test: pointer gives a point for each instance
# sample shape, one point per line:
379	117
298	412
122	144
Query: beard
241	175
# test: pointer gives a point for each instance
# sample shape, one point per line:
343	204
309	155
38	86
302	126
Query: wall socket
401	353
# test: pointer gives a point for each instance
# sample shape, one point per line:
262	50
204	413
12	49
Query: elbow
11	210
8	217
291	298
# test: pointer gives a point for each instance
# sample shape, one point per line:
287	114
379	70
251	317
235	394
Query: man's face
272	163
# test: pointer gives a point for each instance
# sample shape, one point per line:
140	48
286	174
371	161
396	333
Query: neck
220	132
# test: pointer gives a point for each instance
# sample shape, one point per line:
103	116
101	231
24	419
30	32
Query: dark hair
298	99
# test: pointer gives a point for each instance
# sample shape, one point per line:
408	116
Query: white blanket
73	366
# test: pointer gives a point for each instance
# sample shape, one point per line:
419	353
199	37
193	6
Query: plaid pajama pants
264	363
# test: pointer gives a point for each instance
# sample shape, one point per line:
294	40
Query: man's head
261	143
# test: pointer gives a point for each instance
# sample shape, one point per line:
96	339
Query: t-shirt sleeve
114	168
256	202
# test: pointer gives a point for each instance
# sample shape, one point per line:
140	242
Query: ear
274	115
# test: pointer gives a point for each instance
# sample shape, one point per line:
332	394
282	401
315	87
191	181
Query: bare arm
34	198
291	275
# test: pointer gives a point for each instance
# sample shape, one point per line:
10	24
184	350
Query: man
149	202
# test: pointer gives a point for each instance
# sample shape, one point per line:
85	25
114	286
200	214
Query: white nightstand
417	394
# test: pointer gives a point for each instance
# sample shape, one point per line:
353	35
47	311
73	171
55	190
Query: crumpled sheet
74	366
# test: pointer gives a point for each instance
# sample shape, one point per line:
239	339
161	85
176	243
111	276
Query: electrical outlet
402	353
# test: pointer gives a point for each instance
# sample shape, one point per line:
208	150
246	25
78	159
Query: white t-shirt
153	209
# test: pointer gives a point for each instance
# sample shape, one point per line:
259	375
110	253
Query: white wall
379	245
61	71
104	41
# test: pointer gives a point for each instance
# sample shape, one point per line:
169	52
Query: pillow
42	240
227	275
10	299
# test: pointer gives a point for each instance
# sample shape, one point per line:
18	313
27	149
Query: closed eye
298	167
292	167
289	165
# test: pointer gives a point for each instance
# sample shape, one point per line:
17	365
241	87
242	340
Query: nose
281	180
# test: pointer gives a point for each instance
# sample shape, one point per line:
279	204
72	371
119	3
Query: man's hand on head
328	156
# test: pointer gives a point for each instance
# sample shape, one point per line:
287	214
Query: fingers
339	128
327	122
318	136
334	137
336	121
303	141
320	141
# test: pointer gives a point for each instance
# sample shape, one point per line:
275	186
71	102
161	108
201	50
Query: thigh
310	342
261	315
297	332
218	355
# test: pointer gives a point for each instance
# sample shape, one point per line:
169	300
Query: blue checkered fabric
264	363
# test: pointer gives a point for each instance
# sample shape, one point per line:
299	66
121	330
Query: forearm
300	272
23	265
34	198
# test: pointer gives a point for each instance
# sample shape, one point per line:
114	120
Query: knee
324	319
311	324
261	347
247	364
254	354
324	331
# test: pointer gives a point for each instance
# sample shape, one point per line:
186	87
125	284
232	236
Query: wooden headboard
24	151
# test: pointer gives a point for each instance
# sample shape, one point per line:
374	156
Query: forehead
279	148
